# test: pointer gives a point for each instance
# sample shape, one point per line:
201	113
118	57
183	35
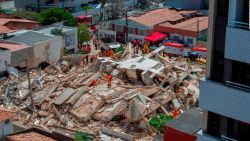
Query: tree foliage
83	33
81	136
33	16
55	15
57	31
159	121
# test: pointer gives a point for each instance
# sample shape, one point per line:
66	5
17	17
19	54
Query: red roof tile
4	21
190	24
5	114
31	136
158	16
12	46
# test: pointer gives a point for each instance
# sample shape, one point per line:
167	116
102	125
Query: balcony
224	100
201	136
237	45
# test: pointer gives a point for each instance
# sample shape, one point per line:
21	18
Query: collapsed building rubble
66	101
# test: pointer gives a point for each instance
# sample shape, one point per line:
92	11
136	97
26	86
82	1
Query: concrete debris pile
66	100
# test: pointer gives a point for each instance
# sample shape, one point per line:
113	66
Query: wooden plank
123	136
64	96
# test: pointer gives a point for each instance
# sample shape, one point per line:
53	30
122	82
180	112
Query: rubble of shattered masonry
66	100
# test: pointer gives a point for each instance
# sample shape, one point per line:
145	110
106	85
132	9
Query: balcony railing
239	24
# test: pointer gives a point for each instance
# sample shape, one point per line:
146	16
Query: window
243	131
190	40
119	28
241	73
213	124
142	32
176	37
131	30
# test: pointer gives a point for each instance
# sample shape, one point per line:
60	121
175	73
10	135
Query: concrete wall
5	59
237	44
6	128
7	4
18	57
224	100
70	35
47	51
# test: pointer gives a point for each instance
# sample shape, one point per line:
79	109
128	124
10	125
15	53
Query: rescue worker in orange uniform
111	53
83	61
176	113
108	77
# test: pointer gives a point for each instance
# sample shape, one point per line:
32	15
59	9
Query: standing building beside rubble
225	94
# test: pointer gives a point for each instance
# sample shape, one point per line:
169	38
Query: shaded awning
171	44
201	49
157	36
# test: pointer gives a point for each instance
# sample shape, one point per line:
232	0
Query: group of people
95	41
86	59
85	49
107	53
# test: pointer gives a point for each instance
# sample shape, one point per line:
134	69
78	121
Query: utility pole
126	14
38	6
198	31
30	87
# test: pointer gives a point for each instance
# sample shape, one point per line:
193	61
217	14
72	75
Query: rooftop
30	136
189	122
190	24
4	21
30	38
154	17
12	46
47	30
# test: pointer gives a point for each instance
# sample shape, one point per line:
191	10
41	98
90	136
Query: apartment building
7	4
225	94
72	5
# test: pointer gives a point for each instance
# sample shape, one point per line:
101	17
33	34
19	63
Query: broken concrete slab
110	111
86	110
64	96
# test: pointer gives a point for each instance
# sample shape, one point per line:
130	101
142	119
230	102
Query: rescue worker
108	77
92	58
87	59
83	61
111	53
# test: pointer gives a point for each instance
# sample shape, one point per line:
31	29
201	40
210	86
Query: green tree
33	16
81	136
55	15
83	33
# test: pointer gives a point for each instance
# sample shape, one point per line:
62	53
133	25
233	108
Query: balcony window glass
213	124
241	73
243	131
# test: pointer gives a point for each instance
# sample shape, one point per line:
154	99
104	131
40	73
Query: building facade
72	5
225	94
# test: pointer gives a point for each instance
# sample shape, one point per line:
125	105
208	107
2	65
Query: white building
5	56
